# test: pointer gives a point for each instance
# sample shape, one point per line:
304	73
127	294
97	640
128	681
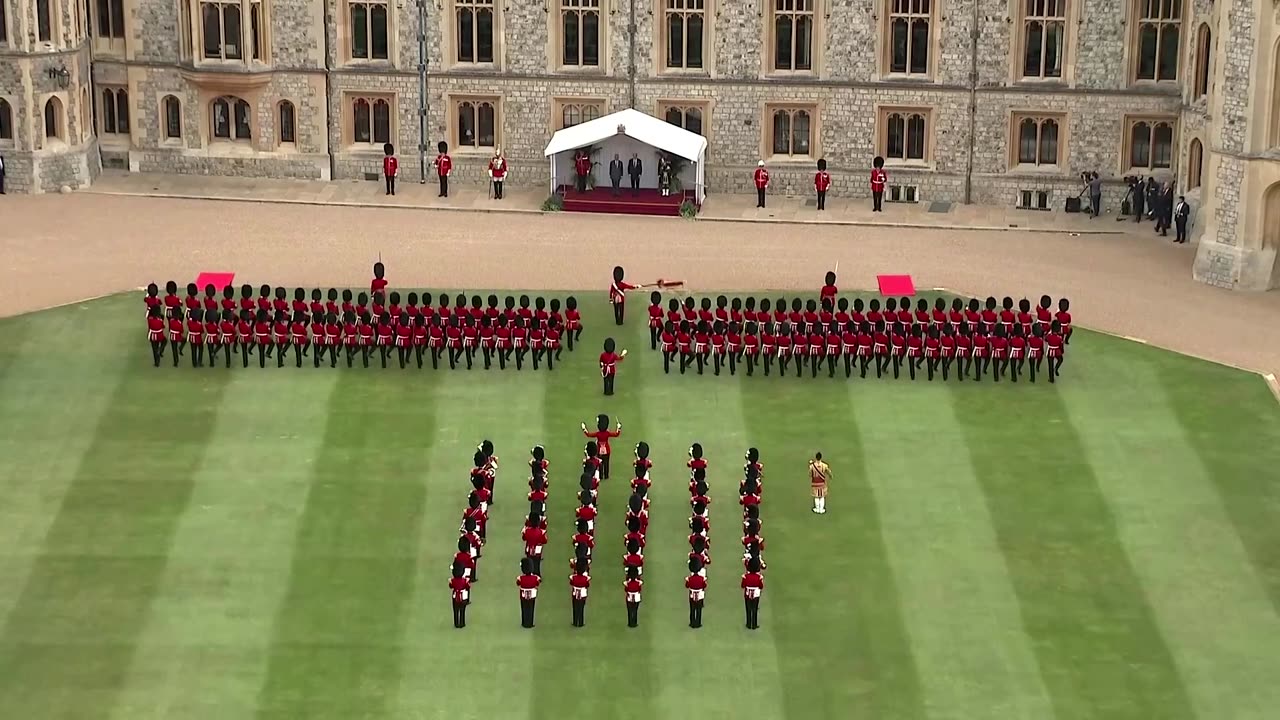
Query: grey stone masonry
1237	73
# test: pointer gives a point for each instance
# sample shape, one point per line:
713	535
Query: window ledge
922	79
684	72
484	150
475	67
231	148
1029	168
364	64
580	70
789	160
908	164
364	149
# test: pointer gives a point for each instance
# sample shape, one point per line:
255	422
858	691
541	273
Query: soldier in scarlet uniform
822	181
579	584
572	321
390	167
761	179
581	169
460	589
155	333
535	538
527	583
752	589
631	588
497	173
696	584
618	294
878	179
609	364
601	435
444	167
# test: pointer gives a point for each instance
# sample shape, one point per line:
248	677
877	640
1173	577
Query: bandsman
631	589
579	585
460	589
696	584
527	584
609	364
752	590
819	476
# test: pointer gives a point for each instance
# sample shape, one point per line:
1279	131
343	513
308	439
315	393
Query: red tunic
761	178
822	181
460	588
878	178
390	166
697	586
655	315
155	329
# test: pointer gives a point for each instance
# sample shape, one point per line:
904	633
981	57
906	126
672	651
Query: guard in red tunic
460	588
696	584
609	364
581	169
631	589
601	435
390	167
752	589
444	167
535	538
527	583
579	584
155	333
618	294
822	181
195	337
878	179
497	173
761	179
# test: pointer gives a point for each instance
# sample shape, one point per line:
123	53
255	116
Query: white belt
633	597
753	592
580	593
537	551
697	594
466	595
528	594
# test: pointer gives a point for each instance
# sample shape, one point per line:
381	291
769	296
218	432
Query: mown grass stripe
1100	651
958	602
229	562
822	631
605	653
1209	602
442	666
338	642
68	642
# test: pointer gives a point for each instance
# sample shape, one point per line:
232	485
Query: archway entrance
1271	218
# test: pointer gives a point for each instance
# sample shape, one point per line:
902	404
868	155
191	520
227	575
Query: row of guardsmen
472	532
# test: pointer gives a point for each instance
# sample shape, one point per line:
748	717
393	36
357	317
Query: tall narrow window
222	30
910	34
1195	164
230	119
1037	139
6	120
791	131
368	30
580	33
477	125
1044	32
4	24
172	118
474	23
44	21
370	120
682	28
53	119
793	35
689	117
115	111
110	18
1150	144
1158	32
287	128
1204	51
255	31
905	136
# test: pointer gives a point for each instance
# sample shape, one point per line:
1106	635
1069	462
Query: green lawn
221	545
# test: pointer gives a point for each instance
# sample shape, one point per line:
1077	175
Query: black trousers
695	613
497	189
604	467
526	611
459	614
1181	226
877	200
759	197
157	351
1	183
822	199
619	312
635	184
444	185
617	184
753	613
633	614
579	612
582	183
391	184
608	384
1095	205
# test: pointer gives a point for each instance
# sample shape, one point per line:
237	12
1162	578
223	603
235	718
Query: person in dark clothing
635	168
615	174
1166	209
1139	201
1153	195
1181	213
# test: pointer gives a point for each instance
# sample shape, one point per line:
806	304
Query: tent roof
645	128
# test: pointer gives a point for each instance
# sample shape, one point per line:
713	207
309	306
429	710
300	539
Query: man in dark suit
1181	213
1	174
615	173
1166	209
635	168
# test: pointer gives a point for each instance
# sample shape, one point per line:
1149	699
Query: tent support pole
631	53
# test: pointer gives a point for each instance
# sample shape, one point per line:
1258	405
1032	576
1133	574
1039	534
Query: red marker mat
896	285
217	279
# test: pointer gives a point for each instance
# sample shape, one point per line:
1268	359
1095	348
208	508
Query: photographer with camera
1093	185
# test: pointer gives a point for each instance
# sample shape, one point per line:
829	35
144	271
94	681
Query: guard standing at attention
761	179
821	182
444	167
528	584
878	179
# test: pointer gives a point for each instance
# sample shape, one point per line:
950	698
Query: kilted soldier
696	584
618	294
527	584
460	589
609	364
631	588
752	588
579	584
819	476
155	333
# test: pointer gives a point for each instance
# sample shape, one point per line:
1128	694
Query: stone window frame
59	136
1273	101
163	105
815	10
889	12
373	145
1068	16
1138	20
114	19
703	106
283	105
707	9
345	37
1131	122
1202	65
86	114
4	23
454	103
884	113
1016	120
255	32
233	137
8	118
113	123
560	105
814	111
556	35
54	20
1195	164
450	32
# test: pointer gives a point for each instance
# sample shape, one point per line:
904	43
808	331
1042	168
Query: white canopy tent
623	133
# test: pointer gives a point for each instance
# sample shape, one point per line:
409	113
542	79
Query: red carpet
896	285
217	279
602	200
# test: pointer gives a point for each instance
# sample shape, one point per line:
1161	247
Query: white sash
697	594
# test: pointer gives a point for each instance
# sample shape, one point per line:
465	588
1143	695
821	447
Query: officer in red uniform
878	179
609	364
601	436
460	588
761	179
581	169
497	174
821	182
444	166
631	589
696	584
527	583
752	588
579	584
155	333
390	167
618	294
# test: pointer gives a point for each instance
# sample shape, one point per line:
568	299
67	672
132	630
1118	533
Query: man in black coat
635	168
1181	213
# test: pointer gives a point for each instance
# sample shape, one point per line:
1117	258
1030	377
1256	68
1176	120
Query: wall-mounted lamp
61	74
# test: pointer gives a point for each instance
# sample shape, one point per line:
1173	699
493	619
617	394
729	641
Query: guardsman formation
751	492
472	531
699	534
334	324
968	340
534	536
637	526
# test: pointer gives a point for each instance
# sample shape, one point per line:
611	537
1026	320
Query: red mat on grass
896	285
217	279
602	200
